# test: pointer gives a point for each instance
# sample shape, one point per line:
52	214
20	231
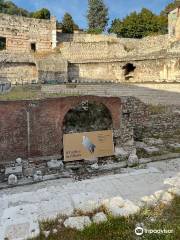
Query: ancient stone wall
21	32
52	68
18	68
118	48
174	23
19	73
34	128
162	125
147	70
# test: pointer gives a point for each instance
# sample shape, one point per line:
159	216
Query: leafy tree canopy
138	25
43	13
9	7
97	15
68	24
170	7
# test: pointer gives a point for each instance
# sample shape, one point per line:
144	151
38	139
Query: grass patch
30	92
156	109
22	92
141	153
161	217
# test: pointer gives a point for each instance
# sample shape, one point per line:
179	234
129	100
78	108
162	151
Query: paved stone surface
22	207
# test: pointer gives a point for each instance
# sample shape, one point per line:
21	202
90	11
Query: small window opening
129	70
2	43
33	47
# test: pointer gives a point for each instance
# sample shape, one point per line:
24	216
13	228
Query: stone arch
112	106
86	117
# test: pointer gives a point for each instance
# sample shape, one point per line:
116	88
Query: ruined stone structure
35	52
31	129
27	34
174	23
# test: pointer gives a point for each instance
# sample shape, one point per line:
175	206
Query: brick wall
43	137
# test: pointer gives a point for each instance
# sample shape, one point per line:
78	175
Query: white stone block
12	179
99	218
78	223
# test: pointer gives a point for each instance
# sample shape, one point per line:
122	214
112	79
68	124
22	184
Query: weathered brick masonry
34	128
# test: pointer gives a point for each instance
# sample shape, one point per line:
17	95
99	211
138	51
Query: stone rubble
12	179
77	222
133	159
99	218
120	195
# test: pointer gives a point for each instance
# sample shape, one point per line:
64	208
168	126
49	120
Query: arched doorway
87	117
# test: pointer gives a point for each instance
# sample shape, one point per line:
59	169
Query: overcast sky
78	8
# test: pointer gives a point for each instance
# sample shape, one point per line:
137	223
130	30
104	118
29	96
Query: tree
170	7
9	7
138	25
43	13
68	24
97	15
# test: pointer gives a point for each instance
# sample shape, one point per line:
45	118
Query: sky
78	8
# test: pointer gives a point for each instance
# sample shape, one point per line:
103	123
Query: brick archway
113	104
34	128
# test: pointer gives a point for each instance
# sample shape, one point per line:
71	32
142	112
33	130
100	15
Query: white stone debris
175	146
95	166
22	208
37	176
99	218
149	201
120	152
17	170
151	149
12	179
86	202
140	144
46	233
78	223
174	191
167	198
133	159
55	165
55	231
153	141
19	161
121	208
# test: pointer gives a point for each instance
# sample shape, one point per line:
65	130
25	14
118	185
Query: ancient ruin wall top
27	34
174	23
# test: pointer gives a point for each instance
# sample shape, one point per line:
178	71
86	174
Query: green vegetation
43	13
145	23
156	109
138	25
160	217
171	6
9	7
29	92
68	25
135	25
141	153
97	16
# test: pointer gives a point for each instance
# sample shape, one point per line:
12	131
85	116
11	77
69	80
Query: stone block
99	217
37	176
55	165
12	179
78	223
133	159
17	170
19	161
